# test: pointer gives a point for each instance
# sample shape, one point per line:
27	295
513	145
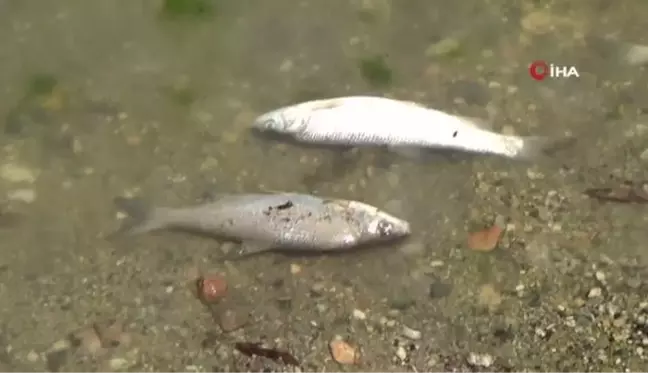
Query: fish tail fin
141	218
534	147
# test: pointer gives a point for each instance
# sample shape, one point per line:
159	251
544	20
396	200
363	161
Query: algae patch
188	8
375	71
41	84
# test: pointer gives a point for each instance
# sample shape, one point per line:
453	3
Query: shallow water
101	99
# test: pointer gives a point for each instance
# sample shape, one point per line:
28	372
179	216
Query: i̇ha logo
539	70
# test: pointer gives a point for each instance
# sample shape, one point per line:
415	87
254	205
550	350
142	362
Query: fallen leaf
485	240
627	192
255	349
344	353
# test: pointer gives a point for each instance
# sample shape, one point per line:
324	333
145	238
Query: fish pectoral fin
476	122
253	247
248	248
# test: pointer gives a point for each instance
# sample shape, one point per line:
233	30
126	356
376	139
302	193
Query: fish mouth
260	122
401	229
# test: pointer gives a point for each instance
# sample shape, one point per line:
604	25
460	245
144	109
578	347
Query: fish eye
271	123
384	228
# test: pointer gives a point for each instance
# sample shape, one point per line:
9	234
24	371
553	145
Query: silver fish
261	222
400	125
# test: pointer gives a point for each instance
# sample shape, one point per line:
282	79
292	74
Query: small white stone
359	315
60	345
118	363
600	276
540	332
295	268
594	292
480	360
17	174
644	155
436	263
401	354
410	333
33	356
22	195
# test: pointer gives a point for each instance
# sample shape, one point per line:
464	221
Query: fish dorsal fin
475	122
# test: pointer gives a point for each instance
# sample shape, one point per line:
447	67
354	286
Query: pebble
33	356
118	363
401	354
22	195
644	155
359	315
637	55
410	333
317	289
231	320
211	288
295	268
594	292
480	360
600	277
17	174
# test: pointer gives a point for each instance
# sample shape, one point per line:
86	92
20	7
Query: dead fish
262	222
403	126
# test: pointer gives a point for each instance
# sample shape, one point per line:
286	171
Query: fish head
377	225
287	120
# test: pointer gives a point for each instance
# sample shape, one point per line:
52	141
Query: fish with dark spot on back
279	221
403	126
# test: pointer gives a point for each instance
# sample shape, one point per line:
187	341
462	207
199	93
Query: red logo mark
539	70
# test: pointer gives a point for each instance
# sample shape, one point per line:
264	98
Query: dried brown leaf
255	349
485	240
